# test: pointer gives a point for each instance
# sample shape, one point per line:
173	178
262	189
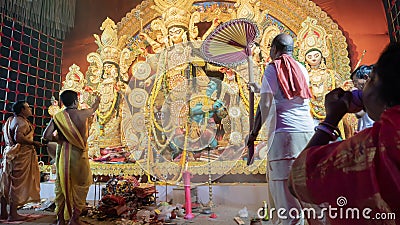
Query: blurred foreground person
360	176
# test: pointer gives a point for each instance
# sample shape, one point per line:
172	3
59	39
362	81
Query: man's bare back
78	117
80	120
78	170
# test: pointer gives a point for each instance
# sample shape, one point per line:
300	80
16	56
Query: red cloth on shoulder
290	78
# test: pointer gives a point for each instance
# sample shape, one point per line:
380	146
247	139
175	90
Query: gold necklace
104	118
317	107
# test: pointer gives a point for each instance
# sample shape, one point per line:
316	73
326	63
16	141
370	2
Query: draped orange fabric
19	170
364	25
290	78
364	169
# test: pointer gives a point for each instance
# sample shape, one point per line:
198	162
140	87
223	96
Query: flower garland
313	112
245	98
242	94
103	119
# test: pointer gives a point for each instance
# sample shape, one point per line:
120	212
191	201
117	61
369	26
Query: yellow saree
73	171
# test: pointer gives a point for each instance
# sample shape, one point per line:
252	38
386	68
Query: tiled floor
225	216
228	198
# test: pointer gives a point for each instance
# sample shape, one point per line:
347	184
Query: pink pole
188	200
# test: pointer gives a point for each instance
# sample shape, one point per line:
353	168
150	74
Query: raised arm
96	103
336	106
49	131
89	112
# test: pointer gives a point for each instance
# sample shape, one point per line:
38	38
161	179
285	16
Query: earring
322	65
385	107
308	67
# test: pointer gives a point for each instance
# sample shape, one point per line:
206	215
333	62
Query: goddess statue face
314	58
230	74
176	34
110	71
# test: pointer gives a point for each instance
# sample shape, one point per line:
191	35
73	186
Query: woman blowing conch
362	173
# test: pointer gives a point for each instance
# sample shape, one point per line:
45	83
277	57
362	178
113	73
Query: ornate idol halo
138	97
141	70
138	121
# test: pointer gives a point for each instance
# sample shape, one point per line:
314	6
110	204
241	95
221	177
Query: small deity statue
313	51
109	105
202	130
322	80
107	74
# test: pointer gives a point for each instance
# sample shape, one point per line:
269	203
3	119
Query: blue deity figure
201	133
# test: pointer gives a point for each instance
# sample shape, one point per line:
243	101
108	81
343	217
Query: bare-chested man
70	128
19	171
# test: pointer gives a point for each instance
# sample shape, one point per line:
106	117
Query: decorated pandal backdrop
30	68
166	108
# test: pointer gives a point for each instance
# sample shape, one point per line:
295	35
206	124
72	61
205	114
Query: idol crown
109	44
312	36
176	17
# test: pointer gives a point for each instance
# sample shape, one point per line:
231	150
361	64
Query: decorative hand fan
230	45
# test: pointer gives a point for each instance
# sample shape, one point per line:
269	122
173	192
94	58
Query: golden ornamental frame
290	13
